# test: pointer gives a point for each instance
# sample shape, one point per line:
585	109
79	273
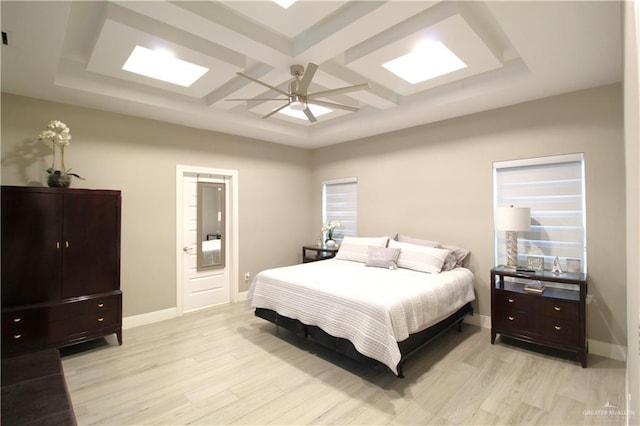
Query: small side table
315	252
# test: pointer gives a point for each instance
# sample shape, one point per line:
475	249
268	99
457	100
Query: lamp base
512	250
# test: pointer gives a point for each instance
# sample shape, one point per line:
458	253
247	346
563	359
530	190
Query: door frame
232	260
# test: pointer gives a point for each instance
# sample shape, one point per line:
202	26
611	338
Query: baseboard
596	347
149	318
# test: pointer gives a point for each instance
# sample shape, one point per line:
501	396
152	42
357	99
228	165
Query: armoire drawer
93	306
24	329
84	324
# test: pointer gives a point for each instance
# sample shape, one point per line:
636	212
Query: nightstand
315	252
555	318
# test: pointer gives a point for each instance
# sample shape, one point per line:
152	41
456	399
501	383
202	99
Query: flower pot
58	180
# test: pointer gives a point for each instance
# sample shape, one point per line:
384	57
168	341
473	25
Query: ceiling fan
297	97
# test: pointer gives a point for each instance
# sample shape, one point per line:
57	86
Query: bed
382	313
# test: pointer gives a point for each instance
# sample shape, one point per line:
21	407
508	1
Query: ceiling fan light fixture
296	103
317	110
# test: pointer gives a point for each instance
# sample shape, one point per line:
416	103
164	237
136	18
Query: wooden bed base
343	346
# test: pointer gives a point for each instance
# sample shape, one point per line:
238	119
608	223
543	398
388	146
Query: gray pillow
382	257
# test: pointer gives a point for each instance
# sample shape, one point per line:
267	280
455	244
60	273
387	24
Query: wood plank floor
225	366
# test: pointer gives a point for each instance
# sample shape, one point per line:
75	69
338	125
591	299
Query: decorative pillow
355	248
427	243
420	258
460	254
382	257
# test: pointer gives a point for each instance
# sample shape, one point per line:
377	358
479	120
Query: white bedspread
374	308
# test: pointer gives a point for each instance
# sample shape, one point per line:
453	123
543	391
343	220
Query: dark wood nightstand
554	318
315	252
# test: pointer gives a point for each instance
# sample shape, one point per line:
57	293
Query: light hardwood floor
225	366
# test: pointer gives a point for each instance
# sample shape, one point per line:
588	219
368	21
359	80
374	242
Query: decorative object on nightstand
328	230
318	252
513	220
535	263
556	266
554	316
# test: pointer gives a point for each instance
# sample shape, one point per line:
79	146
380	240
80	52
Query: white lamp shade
513	218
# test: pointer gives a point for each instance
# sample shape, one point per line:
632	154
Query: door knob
187	249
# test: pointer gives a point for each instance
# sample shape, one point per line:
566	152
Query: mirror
211	225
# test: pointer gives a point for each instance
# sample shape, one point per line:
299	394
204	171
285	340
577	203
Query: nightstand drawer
514	301
559	330
514	320
558	308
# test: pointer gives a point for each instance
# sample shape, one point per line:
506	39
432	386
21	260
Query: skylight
428	60
317	111
162	65
284	3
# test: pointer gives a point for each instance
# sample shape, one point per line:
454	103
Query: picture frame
535	263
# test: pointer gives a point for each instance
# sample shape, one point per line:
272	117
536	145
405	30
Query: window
553	187
340	202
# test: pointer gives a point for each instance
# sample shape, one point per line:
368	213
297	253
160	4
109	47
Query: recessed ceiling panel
289	22
116	41
454	32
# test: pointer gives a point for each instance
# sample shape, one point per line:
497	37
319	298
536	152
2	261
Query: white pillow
420	258
355	248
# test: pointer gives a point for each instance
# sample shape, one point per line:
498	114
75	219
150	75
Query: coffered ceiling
515	51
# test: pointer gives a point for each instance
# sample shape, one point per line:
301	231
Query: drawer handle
510	300
100	305
17	319
17	336
557	327
557	308
100	319
511	318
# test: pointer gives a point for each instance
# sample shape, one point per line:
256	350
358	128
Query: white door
210	286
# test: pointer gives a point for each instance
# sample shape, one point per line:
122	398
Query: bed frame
343	346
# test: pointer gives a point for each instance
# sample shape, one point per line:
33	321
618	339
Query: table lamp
513	220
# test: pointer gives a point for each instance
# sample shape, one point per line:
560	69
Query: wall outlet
247	276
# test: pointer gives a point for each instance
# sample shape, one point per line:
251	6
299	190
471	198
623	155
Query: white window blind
553	188
340	202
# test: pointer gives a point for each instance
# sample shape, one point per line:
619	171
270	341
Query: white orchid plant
329	227
59	135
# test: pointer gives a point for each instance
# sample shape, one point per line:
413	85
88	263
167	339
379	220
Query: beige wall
632	144
435	182
139	157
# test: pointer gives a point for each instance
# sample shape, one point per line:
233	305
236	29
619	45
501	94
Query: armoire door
91	239
31	246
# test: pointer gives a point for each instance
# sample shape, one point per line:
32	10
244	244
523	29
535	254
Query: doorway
199	288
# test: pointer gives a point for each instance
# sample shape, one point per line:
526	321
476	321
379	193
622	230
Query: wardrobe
60	267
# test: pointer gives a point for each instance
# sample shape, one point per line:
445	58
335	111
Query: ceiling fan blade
324	93
276	110
309	115
309	72
333	105
258	99
264	84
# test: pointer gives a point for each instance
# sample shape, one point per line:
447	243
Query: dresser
555	318
60	267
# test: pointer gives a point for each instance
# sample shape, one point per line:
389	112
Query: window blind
340	202
553	187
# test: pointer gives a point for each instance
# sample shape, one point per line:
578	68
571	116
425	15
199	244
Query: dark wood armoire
60	267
